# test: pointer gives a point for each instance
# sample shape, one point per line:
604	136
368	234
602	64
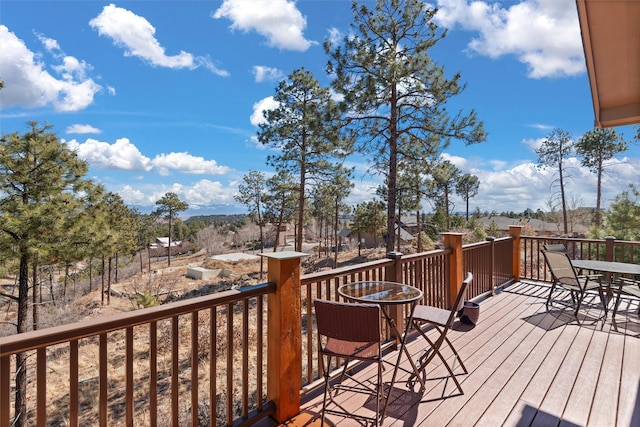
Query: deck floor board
528	365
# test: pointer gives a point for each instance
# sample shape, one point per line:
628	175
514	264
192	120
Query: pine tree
597	147
394	93
251	193
281	201
445	175
467	187
305	128
168	207
42	187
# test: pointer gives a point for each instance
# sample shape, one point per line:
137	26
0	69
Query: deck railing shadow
531	415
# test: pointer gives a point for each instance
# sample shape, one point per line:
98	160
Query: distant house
502	224
163	242
367	241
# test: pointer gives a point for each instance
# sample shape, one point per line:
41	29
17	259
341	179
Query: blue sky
166	95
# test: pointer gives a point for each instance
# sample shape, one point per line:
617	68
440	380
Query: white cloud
49	44
277	20
78	128
263	73
541	127
533	144
132	196
135	35
543	34
525	185
187	163
457	161
199	195
206	193
259	107
30	85
335	36
122	155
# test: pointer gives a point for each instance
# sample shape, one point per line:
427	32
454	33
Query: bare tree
554	149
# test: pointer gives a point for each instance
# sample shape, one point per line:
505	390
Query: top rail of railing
33	340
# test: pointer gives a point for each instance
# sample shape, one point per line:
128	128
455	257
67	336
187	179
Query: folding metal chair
350	331
441	320
564	275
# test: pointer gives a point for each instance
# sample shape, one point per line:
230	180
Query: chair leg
325	373
379	394
553	287
434	350
604	301
580	297
464	368
431	354
617	304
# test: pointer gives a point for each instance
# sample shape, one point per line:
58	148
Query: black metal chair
441	320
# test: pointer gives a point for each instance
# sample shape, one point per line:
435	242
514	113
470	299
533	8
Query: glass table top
380	292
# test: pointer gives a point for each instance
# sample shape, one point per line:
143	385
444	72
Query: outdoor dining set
351	330
610	279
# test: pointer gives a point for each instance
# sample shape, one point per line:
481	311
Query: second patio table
624	268
387	294
613	267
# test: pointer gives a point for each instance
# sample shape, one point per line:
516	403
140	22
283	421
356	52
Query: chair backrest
345	321
459	302
555	247
561	268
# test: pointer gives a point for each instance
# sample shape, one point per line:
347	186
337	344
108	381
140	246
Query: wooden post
515	231
609	252
609	256
284	342
453	241
492	241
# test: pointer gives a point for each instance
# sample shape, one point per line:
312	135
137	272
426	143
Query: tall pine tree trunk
34	310
21	358
102	288
419	229
109	283
90	271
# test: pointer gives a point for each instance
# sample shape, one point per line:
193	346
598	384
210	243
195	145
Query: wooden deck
527	367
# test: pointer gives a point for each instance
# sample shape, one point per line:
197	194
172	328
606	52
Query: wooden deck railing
182	363
205	357
609	249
